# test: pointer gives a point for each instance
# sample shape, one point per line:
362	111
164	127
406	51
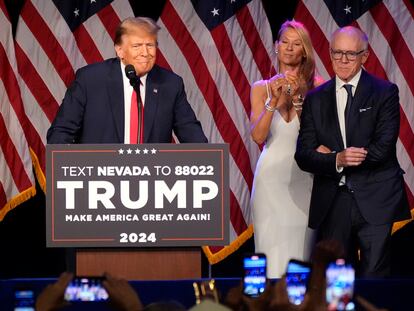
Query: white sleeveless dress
280	199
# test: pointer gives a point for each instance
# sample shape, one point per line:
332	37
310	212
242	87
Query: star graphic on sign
93	1
76	12
121	151
137	151
153	151
129	151
231	1
215	12
347	10
145	151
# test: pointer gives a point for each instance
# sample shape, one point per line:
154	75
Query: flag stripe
237	218
109	19
260	55
86	45
409	7
396	43
12	158
232	64
61	31
40	61
36	85
3	197
48	42
102	40
203	78
17	178
12	141
319	40
31	134
3	10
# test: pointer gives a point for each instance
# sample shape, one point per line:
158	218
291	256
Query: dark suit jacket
377	183
93	108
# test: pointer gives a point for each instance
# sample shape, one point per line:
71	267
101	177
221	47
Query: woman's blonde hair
307	69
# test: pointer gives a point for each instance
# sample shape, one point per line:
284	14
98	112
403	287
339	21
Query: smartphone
254	280
297	278
86	289
340	277
24	300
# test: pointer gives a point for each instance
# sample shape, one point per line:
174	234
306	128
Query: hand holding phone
86	289
254	280
297	278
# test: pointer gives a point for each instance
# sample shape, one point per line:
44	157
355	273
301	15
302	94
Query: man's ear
119	51
365	56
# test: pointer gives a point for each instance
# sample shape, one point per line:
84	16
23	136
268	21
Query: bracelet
297	108
298	104
269	108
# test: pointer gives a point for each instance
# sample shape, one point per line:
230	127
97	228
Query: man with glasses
102	107
348	135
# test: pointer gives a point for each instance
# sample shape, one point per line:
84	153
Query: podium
137	211
141	264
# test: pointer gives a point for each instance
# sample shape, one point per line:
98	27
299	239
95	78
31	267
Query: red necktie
136	123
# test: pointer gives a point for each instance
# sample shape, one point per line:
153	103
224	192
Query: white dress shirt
127	100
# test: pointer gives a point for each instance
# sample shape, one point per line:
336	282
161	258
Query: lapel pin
155	91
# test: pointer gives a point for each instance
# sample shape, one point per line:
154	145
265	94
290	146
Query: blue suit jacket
93	108
377	183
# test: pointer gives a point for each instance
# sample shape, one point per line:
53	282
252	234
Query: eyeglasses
350	55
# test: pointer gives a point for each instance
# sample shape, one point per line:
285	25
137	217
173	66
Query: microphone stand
135	84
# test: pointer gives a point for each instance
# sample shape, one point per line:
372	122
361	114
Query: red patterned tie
133	134
136	122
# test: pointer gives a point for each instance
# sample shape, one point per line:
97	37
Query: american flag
389	25
52	41
17	178
220	48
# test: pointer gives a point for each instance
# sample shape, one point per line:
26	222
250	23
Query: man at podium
128	99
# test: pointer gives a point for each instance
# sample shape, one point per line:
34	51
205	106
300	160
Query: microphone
135	82
132	76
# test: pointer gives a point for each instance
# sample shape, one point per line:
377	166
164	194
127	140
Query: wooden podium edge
141	264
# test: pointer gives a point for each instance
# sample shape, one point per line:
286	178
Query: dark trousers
367	246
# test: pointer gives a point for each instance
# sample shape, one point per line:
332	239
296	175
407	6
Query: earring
276	52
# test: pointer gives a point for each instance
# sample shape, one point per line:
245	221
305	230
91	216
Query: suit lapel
332	116
360	97
152	90
116	98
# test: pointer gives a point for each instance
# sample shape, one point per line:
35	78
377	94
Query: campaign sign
137	195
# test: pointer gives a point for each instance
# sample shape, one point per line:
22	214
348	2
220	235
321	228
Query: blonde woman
281	191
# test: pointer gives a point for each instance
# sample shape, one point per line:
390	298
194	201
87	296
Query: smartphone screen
24	300
340	278
86	289
254	280
297	278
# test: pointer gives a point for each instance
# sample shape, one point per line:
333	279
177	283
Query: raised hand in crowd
52	297
121	294
237	301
